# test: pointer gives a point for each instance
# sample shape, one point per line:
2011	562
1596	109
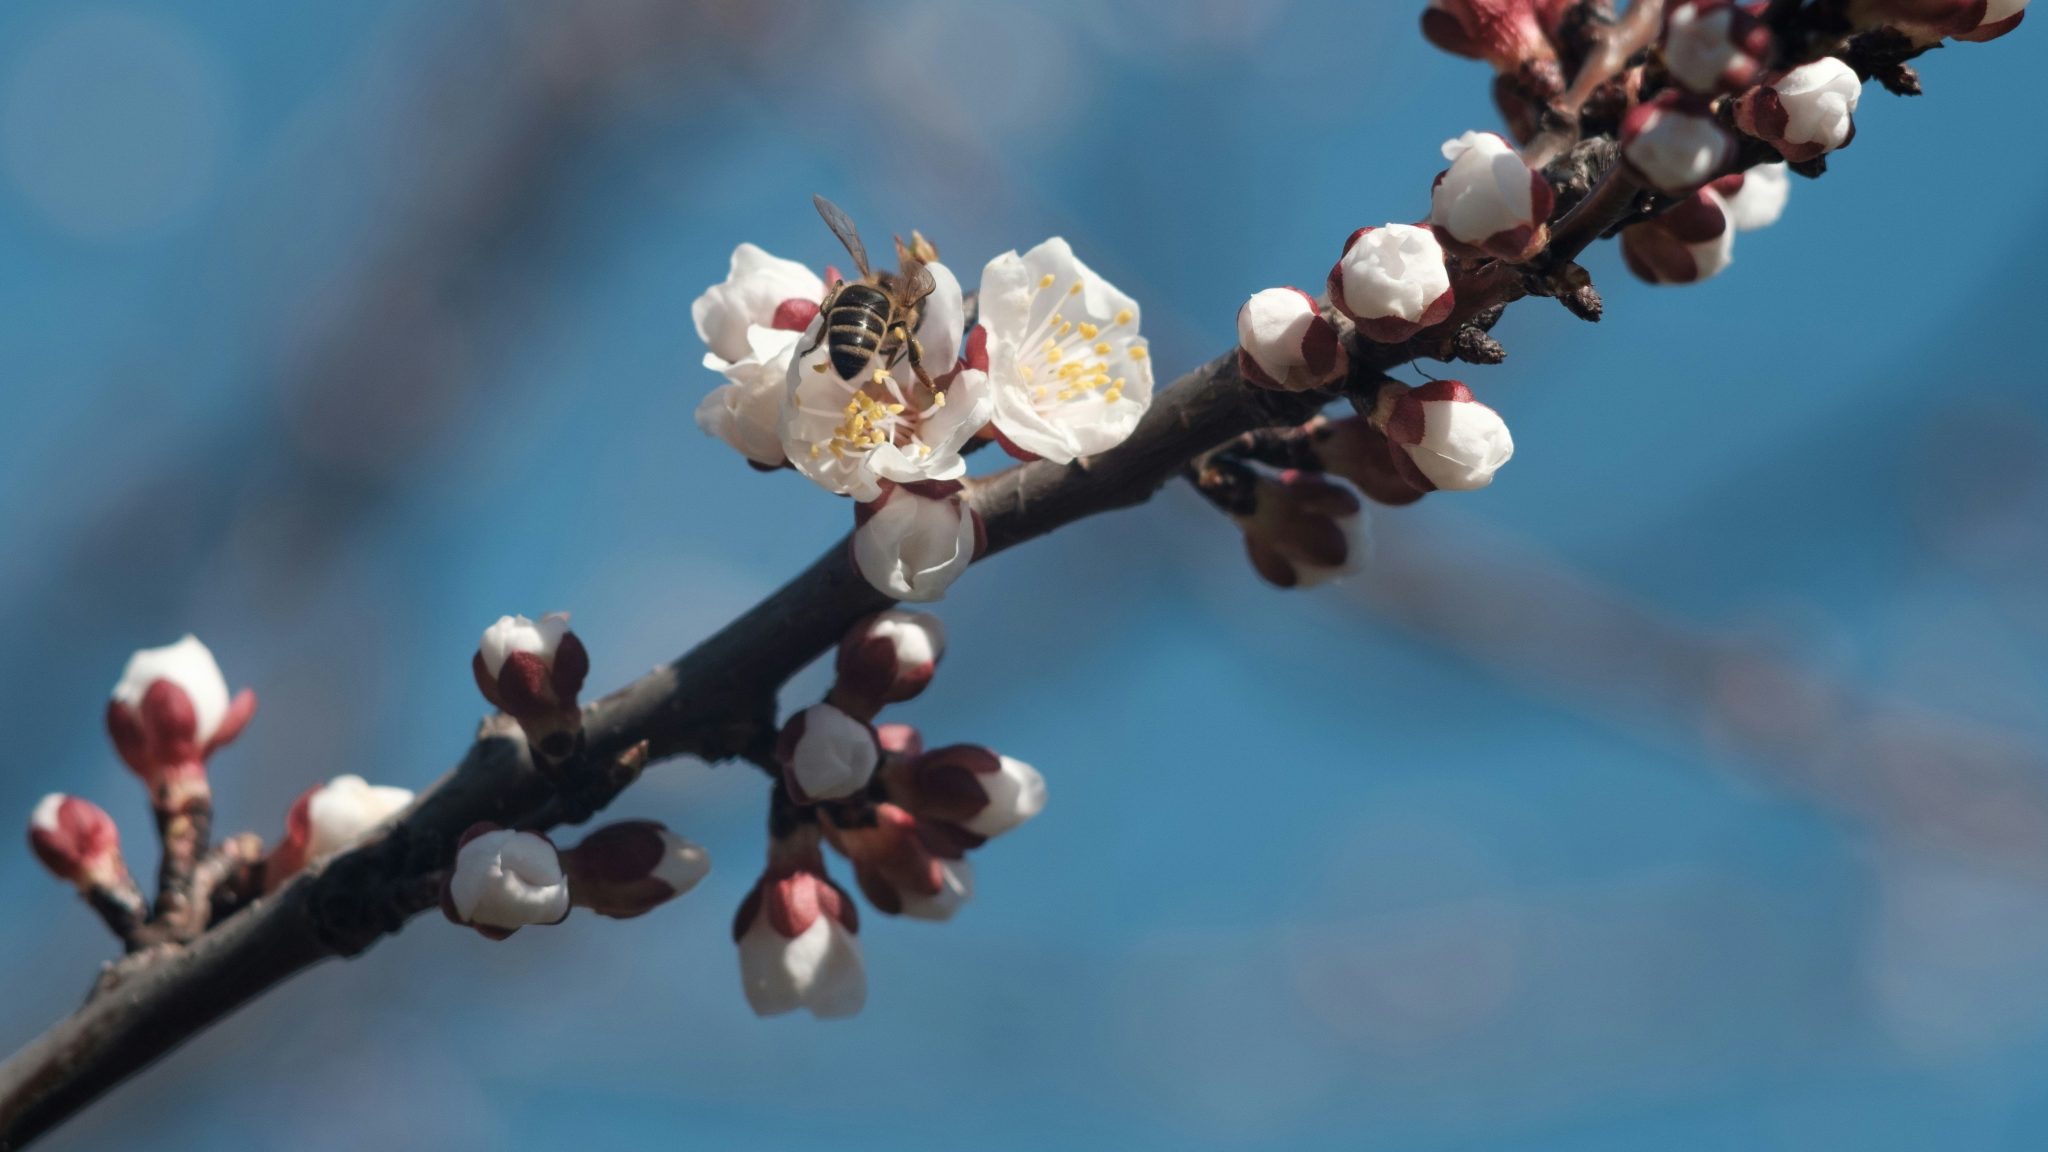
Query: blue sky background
1685	789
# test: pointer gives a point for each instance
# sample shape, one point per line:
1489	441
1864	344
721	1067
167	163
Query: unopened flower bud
1675	145
798	936
1393	282
532	671
903	866
171	711
1355	450
1691	242
973	787
505	880
1508	34
1994	18
913	541
1756	198
1303	529
887	658
1805	113
1490	199
330	818
1924	21
630	868
1446	436
1714	46
899	740
77	841
826	754
1283	342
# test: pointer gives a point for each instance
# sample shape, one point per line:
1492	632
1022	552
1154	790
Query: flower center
1063	361
880	412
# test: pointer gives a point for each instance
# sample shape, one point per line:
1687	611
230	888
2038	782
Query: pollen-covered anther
1675	145
1805	113
1393	282
1283	342
1490	200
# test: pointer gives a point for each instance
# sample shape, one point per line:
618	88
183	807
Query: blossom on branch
1509	34
532	671
1447	438
826	754
1283	342
505	880
78	842
1071	373
1393	282
914	540
1756	198
1675	145
887	658
759	291
1805	113
1490	199
330	818
852	436
630	868
170	711
746	410
1693	241
1714	46
798	937
976	788
1303	529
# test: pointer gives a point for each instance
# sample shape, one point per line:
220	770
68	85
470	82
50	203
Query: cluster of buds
1056	368
531	671
903	817
504	879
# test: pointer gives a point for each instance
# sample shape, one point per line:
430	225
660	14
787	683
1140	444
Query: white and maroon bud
1357	451
1508	34
532	671
798	936
630	868
1674	144
904	866
1756	198
77	841
1693	241
1303	529
1807	112
330	818
899	740
913	541
887	658
1992	19
1715	46
1447	438
505	880
1283	342
171	711
975	788
1490	200
826	754
1393	282
760	291
1925	21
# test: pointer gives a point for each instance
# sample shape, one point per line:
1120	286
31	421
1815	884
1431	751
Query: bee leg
915	352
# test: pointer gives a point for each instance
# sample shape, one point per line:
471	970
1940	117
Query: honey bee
874	319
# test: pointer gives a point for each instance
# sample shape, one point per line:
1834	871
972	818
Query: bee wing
914	282
843	228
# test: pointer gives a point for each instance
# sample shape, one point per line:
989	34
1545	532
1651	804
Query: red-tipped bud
1715	46
1805	113
903	866
504	881
1693	241
330	818
1675	145
532	671
887	658
171	711
977	789
798	937
1303	529
1393	282
826	754
1993	18
1284	343
1355	450
77	841
1443	436
628	869
1489	200
1505	33
914	540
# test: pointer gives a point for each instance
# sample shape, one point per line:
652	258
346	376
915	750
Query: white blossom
505	879
912	546
1805	113
818	967
1016	793
1490	198
1393	281
1712	46
1070	371
1452	440
346	809
756	289
1756	198
1675	146
746	410
827	754
1285	343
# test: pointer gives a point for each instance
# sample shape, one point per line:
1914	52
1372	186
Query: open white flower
505	880
849	436
914	541
1756	198
760	291
746	410
1393	282
1070	371
1490	198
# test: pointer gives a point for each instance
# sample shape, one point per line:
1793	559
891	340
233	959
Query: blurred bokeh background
1686	789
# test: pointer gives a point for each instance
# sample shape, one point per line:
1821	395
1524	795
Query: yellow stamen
1075	290
1089	331
1138	353
1124	317
1045	281
1102	348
